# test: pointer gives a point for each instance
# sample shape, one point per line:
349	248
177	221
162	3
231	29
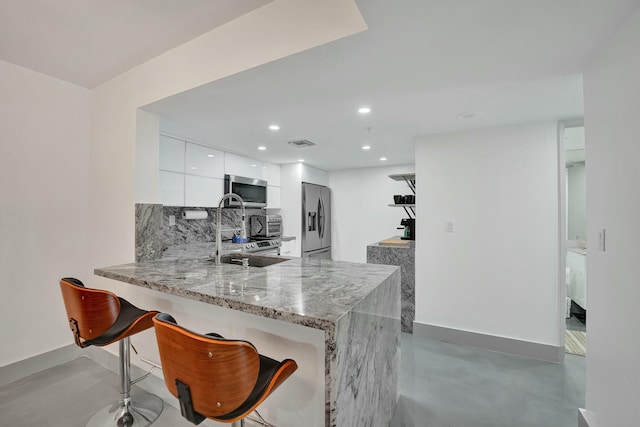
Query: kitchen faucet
243	232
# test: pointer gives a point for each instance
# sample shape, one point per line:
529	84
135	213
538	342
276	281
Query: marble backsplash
154	234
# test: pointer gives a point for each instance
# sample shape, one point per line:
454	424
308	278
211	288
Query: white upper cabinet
171	154
273	197
202	191
242	166
171	188
271	173
204	161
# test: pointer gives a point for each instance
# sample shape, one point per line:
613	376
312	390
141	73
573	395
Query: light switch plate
449	226
601	240
172	220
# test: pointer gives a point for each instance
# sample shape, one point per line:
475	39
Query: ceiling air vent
301	143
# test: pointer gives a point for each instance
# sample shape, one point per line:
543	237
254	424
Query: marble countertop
306	291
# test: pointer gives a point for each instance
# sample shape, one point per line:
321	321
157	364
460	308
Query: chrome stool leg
143	410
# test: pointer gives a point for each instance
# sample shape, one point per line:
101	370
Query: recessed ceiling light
366	147
364	110
301	160
253	166
210	155
274	127
383	158
468	115
193	168
262	147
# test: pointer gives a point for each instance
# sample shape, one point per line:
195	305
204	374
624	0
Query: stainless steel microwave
253	191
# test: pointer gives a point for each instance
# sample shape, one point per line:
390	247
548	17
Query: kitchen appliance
262	247
265	226
316	221
409	227
253	191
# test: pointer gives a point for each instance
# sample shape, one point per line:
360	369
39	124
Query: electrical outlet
172	220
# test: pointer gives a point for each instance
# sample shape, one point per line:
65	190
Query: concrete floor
442	385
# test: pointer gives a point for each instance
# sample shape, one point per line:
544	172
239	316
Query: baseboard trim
545	352
24	368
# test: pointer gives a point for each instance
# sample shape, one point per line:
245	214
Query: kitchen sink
254	260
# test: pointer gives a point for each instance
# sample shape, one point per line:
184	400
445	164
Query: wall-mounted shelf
409	178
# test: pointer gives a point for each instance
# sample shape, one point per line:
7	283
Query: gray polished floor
447	385
443	385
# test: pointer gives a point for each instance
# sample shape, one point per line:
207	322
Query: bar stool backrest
220	373
94	311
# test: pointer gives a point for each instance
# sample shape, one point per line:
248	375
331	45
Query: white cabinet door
171	154
288	248
204	161
242	166
273	197
201	191
271	174
171	188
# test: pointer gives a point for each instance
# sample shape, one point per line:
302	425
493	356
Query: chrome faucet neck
243	232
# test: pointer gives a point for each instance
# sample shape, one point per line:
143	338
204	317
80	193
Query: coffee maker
409	227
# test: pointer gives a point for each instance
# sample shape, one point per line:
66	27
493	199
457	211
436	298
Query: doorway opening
574	247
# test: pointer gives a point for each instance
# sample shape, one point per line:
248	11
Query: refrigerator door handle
320	219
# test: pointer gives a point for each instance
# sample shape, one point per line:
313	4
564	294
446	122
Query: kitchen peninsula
355	307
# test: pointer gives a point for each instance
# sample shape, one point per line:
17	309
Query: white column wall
360	211
612	107
44	185
497	273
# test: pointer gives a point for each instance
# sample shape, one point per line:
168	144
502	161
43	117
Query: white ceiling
88	42
420	64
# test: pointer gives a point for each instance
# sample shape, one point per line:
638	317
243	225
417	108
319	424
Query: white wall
612	107
497	273
44	173
147	189
360	211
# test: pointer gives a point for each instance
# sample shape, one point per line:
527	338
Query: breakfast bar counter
356	306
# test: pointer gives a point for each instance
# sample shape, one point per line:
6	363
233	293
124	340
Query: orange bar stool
212	377
98	317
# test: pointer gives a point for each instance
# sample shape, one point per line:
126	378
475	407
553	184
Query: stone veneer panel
404	257
367	361
149	242
154	234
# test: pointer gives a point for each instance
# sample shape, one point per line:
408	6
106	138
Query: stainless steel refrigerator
316	221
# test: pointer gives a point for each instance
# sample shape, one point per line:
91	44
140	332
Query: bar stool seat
212	377
98	317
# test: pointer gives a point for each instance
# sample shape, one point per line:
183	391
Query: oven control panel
262	245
